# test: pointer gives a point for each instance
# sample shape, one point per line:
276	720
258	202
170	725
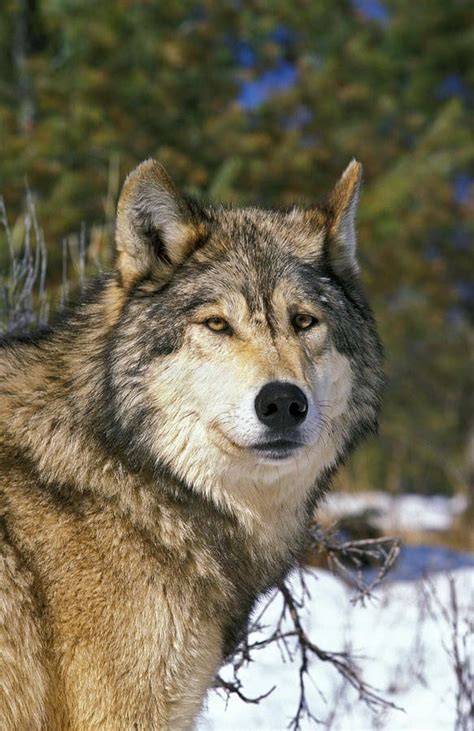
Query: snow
407	512
404	635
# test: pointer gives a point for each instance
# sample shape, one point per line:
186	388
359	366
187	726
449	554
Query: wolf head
246	354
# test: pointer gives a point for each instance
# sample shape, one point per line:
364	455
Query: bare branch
235	687
347	559
459	649
341	661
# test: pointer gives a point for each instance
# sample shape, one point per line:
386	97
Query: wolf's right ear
155	229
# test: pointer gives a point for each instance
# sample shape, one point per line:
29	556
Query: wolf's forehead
256	284
259	258
254	231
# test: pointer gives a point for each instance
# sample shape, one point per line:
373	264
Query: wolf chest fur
163	447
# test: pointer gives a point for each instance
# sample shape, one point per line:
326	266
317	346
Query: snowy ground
405	636
406	512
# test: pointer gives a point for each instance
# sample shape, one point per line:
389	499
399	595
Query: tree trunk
25	18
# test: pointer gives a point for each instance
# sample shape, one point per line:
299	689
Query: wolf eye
304	322
218	325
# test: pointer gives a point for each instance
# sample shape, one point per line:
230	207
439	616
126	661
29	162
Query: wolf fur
139	519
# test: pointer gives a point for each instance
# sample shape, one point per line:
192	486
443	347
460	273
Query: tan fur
102	589
121	577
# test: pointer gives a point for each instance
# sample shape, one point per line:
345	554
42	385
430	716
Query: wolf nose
280	405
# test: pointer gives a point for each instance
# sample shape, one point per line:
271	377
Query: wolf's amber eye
218	325
304	322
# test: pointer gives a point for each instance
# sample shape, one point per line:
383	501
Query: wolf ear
155	229
341	208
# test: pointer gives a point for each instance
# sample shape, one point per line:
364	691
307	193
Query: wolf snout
281	405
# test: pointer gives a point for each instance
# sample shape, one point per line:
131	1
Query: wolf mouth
272	449
277	449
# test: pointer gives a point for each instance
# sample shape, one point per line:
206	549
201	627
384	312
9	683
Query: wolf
163	446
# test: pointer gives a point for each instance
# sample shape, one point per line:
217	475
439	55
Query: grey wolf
163	446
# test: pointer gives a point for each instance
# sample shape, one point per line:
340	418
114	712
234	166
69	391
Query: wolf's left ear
155	229
341	208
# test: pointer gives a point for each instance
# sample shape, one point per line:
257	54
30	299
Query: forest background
266	103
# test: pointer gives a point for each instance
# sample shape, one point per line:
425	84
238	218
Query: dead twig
348	559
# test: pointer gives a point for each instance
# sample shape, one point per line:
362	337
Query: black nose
280	405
